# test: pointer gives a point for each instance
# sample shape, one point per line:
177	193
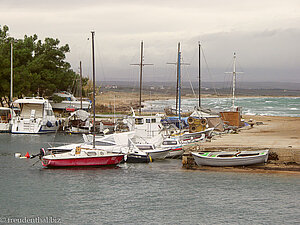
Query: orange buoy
27	155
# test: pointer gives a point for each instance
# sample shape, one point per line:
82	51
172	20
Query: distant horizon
208	84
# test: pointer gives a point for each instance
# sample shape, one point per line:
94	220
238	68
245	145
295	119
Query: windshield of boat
32	110
169	143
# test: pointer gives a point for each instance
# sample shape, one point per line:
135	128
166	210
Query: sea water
156	193
270	106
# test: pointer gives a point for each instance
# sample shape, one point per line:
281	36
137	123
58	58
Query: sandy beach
279	134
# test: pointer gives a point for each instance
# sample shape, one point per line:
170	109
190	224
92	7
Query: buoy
17	155
27	155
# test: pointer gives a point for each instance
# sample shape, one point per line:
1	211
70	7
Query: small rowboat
242	158
82	157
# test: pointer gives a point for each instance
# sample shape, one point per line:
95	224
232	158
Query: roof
37	100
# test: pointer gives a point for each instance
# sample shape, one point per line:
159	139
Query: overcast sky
265	35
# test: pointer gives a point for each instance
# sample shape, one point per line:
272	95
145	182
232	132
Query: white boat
79	122
146	127
174	145
242	158
6	115
154	152
36	117
68	102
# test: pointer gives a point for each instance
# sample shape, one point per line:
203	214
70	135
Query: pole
141	76
177	84
11	72
80	86
179	89
233	80
199	74
94	84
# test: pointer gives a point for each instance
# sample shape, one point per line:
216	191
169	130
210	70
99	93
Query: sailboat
233	117
81	155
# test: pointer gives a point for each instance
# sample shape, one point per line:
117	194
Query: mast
141	64
233	80
80	86
177	83
234	73
11	72
141	77
179	87
94	84
199	74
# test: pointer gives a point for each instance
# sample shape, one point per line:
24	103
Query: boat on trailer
240	158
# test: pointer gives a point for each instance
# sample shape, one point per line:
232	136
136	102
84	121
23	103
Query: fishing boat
154	152
174	145
242	158
36	117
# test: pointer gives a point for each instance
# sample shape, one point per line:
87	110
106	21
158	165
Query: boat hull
88	161
209	160
158	154
5	127
175	153
137	158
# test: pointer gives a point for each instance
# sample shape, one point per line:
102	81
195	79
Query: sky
265	35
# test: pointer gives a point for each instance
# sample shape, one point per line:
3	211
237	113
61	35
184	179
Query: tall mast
141	76
179	87
11	72
234	73
141	64
177	83
233	80
94	84
199	74
80	86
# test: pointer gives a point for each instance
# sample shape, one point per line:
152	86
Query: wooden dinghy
242	158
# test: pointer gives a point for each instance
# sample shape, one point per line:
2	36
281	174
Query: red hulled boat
82	157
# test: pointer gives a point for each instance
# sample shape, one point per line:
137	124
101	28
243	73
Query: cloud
264	34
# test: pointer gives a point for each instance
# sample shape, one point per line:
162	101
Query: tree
39	67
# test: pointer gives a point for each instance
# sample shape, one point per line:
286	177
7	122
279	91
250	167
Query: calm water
251	106
156	193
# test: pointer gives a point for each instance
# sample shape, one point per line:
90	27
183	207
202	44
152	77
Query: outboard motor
42	153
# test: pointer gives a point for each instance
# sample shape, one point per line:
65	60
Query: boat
6	115
154	152
78	122
110	143
81	156
65	101
174	145
36	117
241	158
